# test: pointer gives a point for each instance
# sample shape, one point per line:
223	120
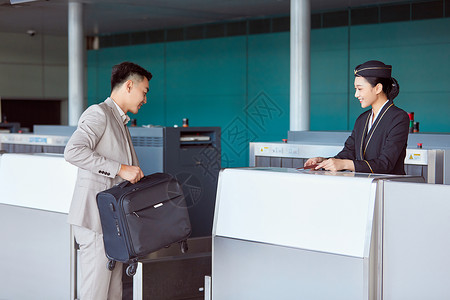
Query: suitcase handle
124	184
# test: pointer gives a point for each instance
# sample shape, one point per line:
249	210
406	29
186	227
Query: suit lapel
369	135
124	130
363	138
134	158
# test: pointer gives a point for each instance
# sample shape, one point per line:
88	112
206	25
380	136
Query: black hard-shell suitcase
138	219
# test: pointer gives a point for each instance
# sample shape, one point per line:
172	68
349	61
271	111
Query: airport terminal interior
243	93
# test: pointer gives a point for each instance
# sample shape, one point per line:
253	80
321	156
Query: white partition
416	261
281	233
41	181
302	209
36	244
289	234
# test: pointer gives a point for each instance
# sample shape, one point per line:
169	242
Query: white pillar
300	65
76	62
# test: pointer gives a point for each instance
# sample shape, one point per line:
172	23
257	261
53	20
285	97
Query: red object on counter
308	167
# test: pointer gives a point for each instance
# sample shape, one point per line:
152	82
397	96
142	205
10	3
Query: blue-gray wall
242	83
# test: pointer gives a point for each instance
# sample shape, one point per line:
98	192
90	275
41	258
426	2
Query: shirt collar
125	118
381	108
373	118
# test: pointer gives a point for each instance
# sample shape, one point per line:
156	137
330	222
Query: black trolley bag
141	218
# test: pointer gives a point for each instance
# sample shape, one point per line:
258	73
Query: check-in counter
36	244
428	154
31	143
432	164
281	233
41	185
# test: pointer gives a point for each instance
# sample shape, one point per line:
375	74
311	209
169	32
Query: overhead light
20	1
31	32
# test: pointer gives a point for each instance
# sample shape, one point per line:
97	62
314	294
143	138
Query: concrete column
76	62
300	65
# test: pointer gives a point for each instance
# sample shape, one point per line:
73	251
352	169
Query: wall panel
242	83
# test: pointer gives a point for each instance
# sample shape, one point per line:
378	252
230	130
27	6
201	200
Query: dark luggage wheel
184	246
111	264
131	269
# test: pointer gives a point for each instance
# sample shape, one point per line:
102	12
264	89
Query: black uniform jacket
383	149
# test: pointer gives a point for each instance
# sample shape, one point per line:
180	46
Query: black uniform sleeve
349	148
394	145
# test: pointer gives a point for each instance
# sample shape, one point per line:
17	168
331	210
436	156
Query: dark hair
390	85
123	71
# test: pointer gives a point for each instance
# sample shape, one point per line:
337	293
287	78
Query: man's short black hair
123	71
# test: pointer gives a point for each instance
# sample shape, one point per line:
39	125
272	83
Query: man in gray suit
101	148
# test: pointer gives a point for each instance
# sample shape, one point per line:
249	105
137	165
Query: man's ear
128	85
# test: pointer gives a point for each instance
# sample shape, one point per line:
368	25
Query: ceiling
103	17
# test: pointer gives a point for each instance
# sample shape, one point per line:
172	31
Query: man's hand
131	173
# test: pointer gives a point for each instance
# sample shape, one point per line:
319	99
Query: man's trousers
97	282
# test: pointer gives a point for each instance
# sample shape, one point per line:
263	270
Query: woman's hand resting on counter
331	164
313	161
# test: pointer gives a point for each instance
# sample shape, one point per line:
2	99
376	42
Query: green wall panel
207	67
329	111
329	79
267	107
200	74
92	77
207	83
151	57
419	53
431	110
242	83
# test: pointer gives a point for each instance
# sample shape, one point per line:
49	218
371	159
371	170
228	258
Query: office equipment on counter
193	156
32	143
281	233
411	122
61	130
9	127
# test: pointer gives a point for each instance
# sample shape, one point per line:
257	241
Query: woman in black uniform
379	137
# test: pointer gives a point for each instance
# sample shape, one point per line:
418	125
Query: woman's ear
378	88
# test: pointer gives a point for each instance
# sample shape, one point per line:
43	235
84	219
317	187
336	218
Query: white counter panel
34	254
301	209
416	252
247	270
42	181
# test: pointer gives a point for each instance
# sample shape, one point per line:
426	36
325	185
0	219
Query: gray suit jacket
98	147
